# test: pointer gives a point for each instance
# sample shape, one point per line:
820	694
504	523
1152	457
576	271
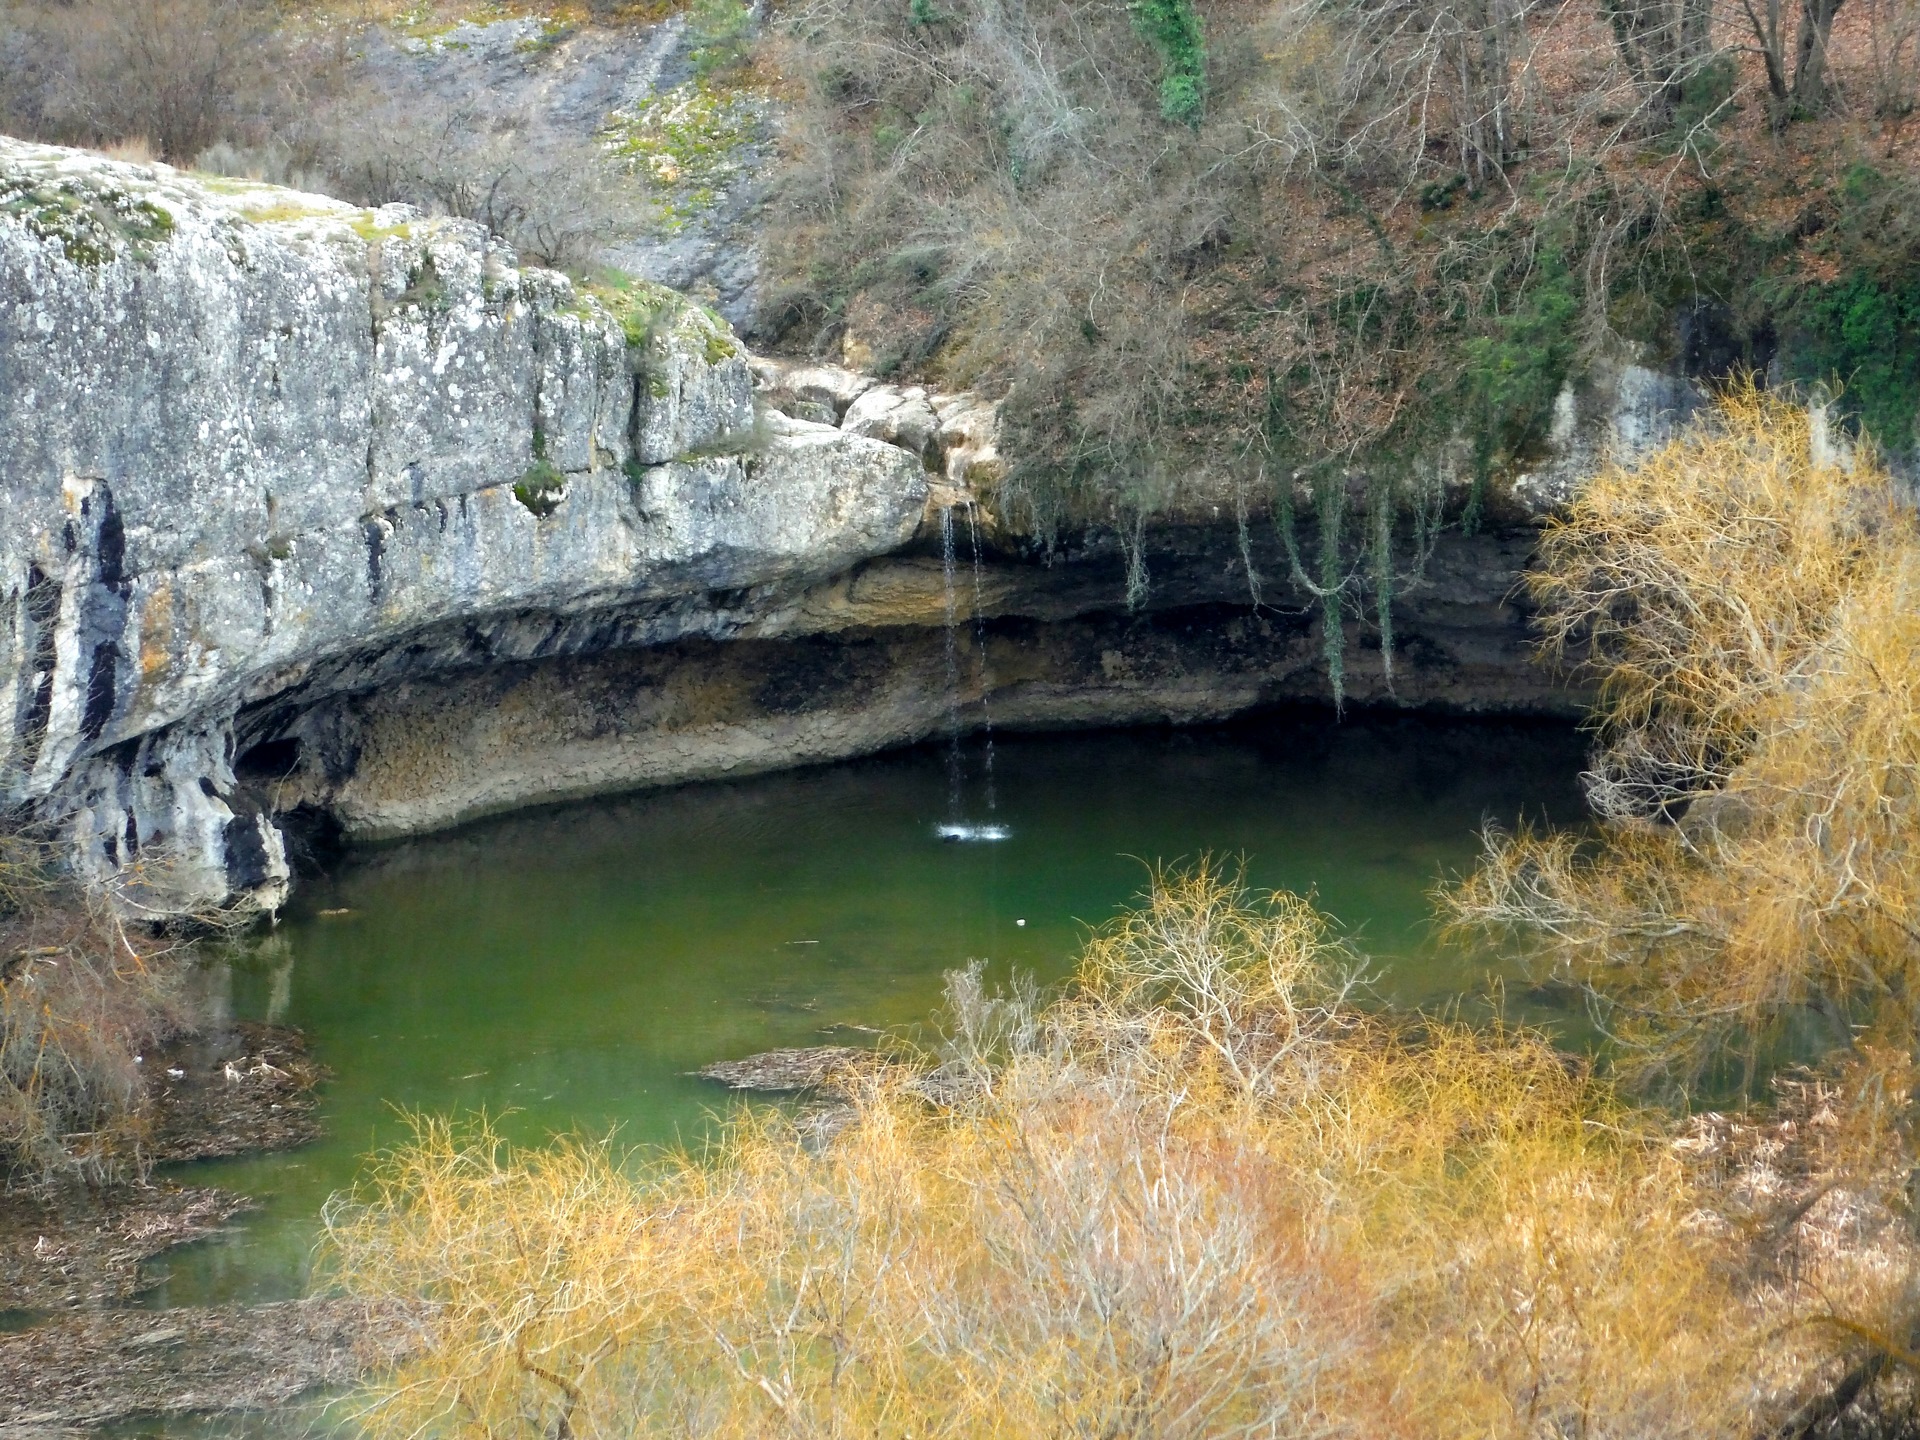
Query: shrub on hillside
559	201
176	75
1001	192
81	997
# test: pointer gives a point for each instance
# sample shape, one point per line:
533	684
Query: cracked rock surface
257	439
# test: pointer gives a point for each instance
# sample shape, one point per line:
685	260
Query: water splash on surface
959	831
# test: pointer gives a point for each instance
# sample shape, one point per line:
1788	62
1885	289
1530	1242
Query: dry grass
81	997
1198	1195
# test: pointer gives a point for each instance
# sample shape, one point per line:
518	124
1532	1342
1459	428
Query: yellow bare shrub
1754	618
1752	605
1199	1195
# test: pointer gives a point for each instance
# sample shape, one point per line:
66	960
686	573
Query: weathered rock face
255	441
312	509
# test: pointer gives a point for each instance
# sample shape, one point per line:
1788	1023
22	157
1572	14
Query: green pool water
564	969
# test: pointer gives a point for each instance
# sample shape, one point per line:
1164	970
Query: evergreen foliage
1172	27
1865	335
1513	374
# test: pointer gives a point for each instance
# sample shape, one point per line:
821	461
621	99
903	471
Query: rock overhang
255	438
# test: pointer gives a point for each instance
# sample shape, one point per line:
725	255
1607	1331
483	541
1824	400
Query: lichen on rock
91	221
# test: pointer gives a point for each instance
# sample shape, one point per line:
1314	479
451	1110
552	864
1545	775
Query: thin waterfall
957	826
980	642
954	773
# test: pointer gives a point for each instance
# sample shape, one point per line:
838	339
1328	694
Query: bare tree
1413	74
559	201
1893	41
1663	43
179	74
1802	88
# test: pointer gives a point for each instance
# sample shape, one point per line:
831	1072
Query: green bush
722	32
1865	335
1173	29
1512	375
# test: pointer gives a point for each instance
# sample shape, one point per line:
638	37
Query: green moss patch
687	144
541	489
639	306
656	317
282	212
371	231
92	222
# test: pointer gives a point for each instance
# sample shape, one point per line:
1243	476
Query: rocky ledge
319	511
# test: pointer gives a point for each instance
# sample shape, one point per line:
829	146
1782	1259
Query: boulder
820	393
899	417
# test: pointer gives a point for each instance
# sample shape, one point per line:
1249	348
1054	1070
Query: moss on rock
92	222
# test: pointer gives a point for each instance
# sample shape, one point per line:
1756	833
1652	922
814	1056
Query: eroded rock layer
256	439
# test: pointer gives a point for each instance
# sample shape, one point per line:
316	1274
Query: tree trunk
1769	36
1810	60
1662	43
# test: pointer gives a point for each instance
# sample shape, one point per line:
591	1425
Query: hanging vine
1380	558
1346	574
1329	507
1245	535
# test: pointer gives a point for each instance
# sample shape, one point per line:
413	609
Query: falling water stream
980	643
957	826
956	776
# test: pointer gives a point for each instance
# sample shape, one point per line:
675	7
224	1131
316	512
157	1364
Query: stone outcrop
255	441
344	516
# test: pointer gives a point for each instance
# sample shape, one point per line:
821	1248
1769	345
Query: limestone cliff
254	441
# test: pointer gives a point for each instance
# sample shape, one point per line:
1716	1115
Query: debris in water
812	1067
973	832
